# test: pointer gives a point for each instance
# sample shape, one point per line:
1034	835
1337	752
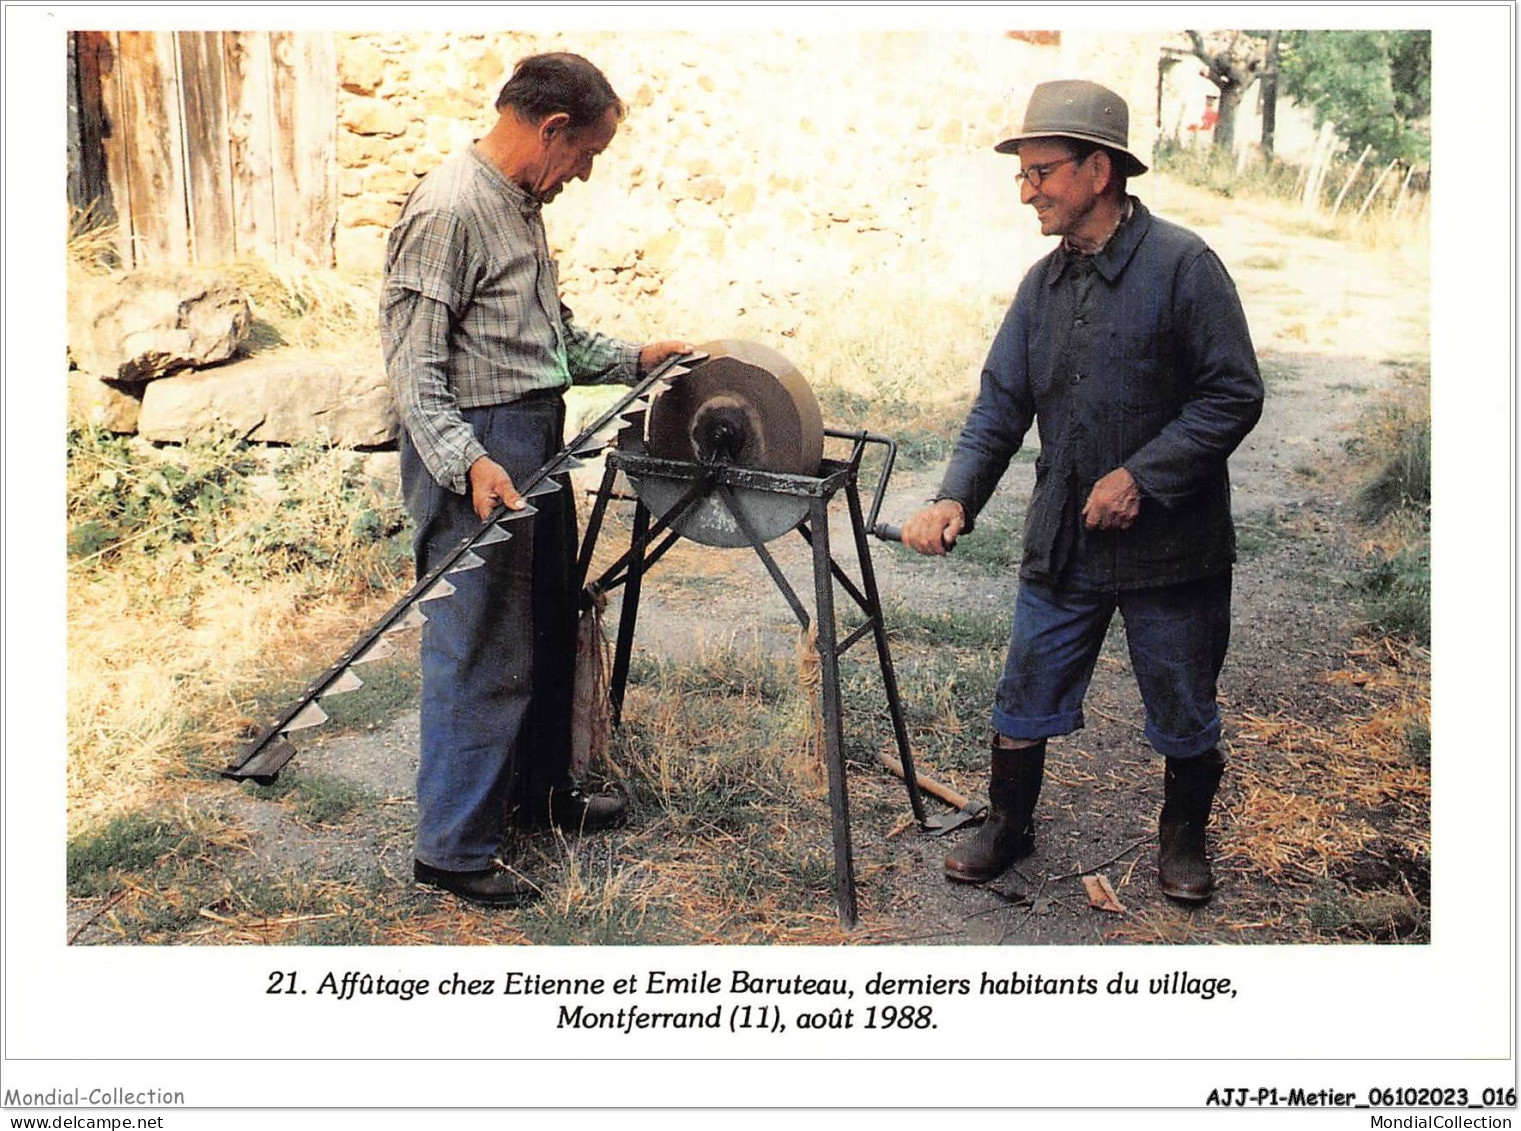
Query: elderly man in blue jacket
1127	347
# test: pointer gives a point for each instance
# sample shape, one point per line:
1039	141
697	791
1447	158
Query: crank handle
890	533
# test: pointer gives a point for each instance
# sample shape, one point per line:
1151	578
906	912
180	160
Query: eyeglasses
1035	174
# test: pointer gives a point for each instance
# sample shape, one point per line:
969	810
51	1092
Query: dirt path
1331	323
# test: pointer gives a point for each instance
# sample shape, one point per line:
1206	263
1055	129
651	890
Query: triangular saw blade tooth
592	447
493	537
636	415
382	649
527	512
544	486
569	463
309	716
467	561
676	371
345	683
440	588
414	618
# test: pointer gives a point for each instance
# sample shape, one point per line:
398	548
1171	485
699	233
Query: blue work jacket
1137	356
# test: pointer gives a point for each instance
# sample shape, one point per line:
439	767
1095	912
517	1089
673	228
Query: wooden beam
245	57
304	87
207	160
102	50
154	146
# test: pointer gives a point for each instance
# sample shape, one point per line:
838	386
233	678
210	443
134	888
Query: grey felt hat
1078	109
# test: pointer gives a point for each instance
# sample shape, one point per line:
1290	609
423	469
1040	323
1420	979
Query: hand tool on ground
966	810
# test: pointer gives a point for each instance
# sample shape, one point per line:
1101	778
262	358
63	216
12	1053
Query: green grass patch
391	687
996	543
1399	450
923	435
131	843
1397	592
317	799
1417	741
1378	916
955	628
224	508
1259	532
1393	501
1278	376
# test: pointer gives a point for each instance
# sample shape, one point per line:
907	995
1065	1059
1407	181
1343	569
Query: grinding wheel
746	406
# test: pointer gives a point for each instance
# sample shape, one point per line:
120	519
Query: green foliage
1374	86
1398	592
1394	501
222	506
1216	170
1401	478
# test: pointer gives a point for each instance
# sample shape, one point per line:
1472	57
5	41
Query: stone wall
756	174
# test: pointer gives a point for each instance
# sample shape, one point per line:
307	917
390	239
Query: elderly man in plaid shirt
479	350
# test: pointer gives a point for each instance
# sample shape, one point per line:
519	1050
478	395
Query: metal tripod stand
738	490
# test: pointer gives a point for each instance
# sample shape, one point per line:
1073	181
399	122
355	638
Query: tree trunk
1225	127
1270	97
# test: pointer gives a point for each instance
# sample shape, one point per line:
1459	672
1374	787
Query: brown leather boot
1008	832
1188	793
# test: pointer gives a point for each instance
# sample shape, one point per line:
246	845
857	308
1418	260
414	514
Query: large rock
141	325
284	397
93	401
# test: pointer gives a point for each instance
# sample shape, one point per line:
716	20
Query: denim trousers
1177	636
498	654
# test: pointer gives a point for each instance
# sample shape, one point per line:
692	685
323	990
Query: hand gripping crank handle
249	765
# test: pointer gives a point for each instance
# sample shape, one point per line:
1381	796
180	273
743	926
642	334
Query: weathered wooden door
216	145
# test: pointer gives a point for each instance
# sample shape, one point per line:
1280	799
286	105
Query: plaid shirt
470	313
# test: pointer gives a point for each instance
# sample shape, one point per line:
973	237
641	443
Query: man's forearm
415	333
595	358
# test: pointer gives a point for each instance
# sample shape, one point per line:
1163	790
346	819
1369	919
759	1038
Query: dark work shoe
575	811
496	886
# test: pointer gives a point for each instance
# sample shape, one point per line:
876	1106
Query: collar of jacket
1111	260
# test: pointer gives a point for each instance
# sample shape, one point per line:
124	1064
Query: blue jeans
1177	634
498	655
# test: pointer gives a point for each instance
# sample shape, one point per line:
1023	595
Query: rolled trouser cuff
1032	729
1188	747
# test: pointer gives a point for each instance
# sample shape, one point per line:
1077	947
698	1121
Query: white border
1440	1014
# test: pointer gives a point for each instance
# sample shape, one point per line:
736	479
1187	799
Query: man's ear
553	124
1103	171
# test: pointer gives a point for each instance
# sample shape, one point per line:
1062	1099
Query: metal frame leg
884	656
628	611
834	732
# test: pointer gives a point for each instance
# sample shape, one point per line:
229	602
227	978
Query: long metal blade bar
237	769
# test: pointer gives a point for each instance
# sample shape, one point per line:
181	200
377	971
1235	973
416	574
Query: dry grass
185	614
298	306
157	694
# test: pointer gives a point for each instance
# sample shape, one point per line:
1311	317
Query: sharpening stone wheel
745	406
